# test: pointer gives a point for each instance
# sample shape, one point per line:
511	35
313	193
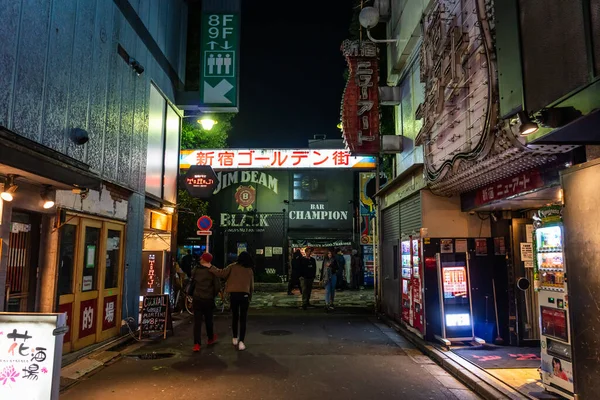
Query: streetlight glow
207	123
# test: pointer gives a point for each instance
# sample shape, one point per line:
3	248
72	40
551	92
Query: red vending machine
417	307
406	280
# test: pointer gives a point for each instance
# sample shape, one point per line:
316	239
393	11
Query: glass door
87	283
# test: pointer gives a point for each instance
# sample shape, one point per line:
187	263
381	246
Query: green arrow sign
219	61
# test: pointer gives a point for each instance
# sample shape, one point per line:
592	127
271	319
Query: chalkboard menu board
155	315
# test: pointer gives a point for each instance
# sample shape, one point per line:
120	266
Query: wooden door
111	281
87	283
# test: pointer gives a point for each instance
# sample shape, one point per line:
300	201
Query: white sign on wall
30	355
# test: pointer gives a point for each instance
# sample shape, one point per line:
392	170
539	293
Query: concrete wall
59	70
133	256
404	24
442	218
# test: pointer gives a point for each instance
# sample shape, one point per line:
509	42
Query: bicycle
181	297
222	301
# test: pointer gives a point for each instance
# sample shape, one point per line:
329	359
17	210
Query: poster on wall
268	251
481	247
446	246
499	246
461	245
526	251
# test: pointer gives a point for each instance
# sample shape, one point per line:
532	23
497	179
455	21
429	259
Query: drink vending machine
417	307
551	285
405	248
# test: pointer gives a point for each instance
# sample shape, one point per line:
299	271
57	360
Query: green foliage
190	209
194	137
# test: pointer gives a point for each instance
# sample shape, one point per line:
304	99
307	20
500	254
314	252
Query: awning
24	154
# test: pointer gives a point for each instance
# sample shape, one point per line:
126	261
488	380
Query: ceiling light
47	197
207	123
9	188
527	126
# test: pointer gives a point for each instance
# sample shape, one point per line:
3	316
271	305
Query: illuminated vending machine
406	277
417	307
455	300
550	282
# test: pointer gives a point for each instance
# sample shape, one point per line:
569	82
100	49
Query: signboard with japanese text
360	106
152	272
224	159
109	316
87	317
219	60
67	309
200	181
30	358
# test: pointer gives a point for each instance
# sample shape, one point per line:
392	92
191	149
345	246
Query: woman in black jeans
207	287
239	284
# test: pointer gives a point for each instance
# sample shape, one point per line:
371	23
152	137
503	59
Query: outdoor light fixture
369	18
9	188
46	196
207	123
527	126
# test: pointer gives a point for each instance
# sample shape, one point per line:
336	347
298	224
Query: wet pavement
291	354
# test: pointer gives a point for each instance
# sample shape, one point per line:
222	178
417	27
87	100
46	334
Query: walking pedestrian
356	266
186	263
206	288
328	259
239	278
329	282
309	271
296	272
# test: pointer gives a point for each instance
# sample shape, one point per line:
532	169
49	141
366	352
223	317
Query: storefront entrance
90	264
23	256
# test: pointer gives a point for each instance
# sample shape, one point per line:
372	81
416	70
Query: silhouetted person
296	272
309	271
186	263
207	287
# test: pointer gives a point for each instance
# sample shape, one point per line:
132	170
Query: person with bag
204	287
239	284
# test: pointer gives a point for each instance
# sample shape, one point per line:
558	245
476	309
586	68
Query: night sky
291	78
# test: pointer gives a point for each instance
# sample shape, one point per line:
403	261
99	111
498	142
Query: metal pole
207	236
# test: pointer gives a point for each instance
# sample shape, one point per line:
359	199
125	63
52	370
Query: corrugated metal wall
59	69
391	223
410	214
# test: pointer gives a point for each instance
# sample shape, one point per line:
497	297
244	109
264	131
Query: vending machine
455	297
406	279
417	307
551	285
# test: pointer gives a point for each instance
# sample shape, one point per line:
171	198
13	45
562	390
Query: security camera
368	17
137	67
79	136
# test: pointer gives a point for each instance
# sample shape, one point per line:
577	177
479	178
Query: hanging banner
252	159
360	106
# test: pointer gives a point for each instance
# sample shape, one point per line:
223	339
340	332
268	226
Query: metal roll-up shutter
391	223
410	214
